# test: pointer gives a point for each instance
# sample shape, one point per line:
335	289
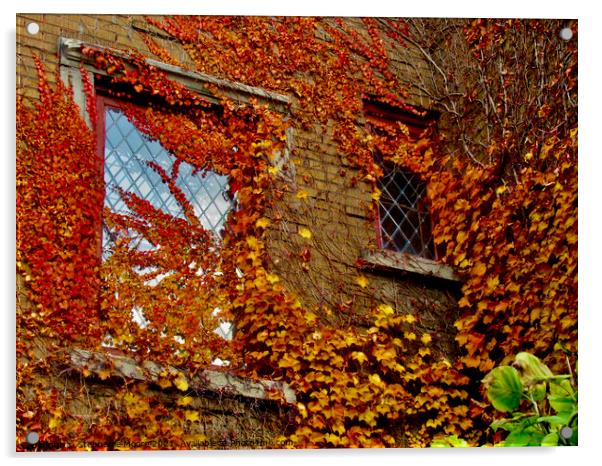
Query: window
403	223
128	156
132	162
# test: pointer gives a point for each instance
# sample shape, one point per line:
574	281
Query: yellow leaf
272	278
104	374
302	194
288	361
305	232
181	383
369	417
359	356
493	282
54	422
376	194
130	398
185	401
362	281
252	242
465	263
385	354
409	335
262	222
571	238
375	379
302	410
386	309
338	428
460	257
409	318
425	339
191	416
273	170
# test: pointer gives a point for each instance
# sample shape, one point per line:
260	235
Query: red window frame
102	102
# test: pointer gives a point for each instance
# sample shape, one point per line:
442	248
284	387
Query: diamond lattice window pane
127	152
404	217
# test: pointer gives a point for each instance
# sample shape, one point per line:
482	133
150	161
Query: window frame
72	63
381	258
104	101
425	231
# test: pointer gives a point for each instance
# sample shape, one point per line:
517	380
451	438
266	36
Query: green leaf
536	438
559	420
440	443
495	425
504	388
531	369
457	442
538	392
550	440
449	441
519	438
560	387
562	404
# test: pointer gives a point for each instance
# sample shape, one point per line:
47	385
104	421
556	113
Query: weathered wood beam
208	380
397	261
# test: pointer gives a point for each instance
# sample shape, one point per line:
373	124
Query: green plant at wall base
542	406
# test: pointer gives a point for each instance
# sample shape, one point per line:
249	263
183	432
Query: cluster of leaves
511	225
59	202
59	192
191	272
552	416
543	406
382	385
518	246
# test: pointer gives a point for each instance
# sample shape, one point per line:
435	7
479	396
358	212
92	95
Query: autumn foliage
506	220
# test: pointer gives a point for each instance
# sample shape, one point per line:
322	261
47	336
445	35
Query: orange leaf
479	269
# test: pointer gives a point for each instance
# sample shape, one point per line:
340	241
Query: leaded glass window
404	224
126	156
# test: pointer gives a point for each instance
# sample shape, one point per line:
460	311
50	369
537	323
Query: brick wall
334	210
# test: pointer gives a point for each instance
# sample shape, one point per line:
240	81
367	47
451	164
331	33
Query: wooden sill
106	364
397	261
